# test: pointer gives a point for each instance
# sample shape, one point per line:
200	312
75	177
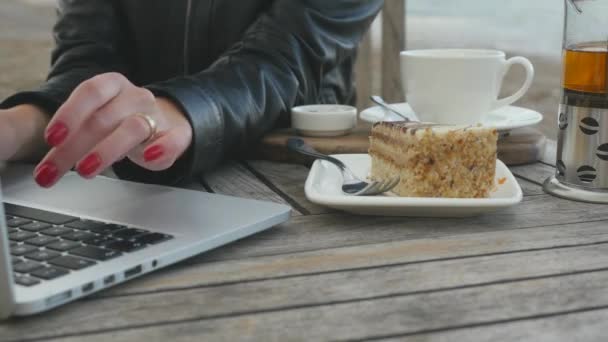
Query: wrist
27	122
26	107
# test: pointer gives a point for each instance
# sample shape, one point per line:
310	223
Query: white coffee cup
458	86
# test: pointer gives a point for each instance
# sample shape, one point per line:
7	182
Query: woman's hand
21	131
98	125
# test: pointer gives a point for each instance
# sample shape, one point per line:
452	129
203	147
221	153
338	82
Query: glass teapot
582	148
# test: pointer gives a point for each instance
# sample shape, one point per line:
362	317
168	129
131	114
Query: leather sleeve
289	56
86	44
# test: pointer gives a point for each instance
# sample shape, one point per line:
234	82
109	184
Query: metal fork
351	185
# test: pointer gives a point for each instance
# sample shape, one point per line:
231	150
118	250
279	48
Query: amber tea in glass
585	68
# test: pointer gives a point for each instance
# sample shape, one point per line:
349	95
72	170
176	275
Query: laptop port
132	271
109	280
88	287
58	298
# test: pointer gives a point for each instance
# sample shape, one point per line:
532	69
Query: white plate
503	119
323	186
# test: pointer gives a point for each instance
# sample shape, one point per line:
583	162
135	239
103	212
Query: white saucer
503	119
323	186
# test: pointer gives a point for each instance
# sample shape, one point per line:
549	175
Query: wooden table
537	271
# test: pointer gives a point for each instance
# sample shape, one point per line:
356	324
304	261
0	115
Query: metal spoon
380	101
576	6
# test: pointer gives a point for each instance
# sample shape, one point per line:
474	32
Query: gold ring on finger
151	124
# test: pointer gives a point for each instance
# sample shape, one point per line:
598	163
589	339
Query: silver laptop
82	236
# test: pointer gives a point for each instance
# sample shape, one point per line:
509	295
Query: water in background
529	27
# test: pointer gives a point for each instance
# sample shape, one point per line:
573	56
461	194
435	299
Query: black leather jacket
235	67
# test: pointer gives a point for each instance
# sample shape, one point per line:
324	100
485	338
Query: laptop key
151	238
100	241
125	246
63	245
107	228
41	240
56	231
25	280
37	214
79	236
95	253
15	261
72	263
12	230
22	250
27	266
128	233
21	236
42	255
49	273
35	226
13	243
17	221
84	224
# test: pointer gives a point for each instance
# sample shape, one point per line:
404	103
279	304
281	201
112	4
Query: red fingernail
56	134
46	174
153	152
89	165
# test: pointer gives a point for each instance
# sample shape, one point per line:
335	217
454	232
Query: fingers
92	129
158	155
130	133
87	98
164	150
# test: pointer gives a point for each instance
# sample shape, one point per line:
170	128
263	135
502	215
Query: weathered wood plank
290	179
393	42
376	255
569	326
194	185
314	232
234	179
323	288
537	172
191	317
530	188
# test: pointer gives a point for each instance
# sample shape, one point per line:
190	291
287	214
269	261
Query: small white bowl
324	120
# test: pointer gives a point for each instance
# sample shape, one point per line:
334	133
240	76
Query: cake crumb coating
435	160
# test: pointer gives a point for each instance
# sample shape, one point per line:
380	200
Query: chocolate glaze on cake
413	126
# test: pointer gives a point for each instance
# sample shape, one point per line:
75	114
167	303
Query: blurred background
25	43
532	29
519	27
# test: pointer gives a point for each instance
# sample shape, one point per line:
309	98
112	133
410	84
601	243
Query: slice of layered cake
435	160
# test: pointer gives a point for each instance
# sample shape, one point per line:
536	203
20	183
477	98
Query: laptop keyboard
46	245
